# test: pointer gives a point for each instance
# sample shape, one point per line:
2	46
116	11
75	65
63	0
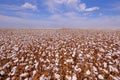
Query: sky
60	13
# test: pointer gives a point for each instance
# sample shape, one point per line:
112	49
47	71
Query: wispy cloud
57	13
82	7
27	5
77	5
61	20
92	9
8	21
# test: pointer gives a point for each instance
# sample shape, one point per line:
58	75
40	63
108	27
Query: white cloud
73	1
66	1
59	1
92	9
51	5
29	6
82	7
16	7
56	5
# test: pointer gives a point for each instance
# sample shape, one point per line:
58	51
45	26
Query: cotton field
59	54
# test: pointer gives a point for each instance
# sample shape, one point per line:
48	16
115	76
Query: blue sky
60	13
